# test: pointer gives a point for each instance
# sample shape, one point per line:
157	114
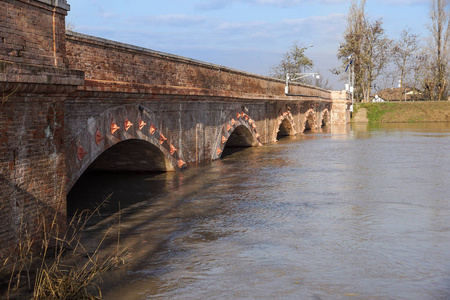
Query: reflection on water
345	213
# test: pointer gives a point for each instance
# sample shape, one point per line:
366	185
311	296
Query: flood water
349	213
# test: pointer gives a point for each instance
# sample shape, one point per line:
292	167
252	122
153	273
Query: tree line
377	61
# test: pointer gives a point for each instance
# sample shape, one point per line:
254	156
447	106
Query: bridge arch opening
131	156
310	122
239	139
108	176
325	119
285	129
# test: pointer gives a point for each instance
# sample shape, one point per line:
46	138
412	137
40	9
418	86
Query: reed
51	263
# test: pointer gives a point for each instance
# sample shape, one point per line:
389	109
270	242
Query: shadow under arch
239	139
310	123
114	126
238	131
286	128
130	164
325	118
131	155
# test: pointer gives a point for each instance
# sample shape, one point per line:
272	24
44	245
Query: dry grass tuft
61	268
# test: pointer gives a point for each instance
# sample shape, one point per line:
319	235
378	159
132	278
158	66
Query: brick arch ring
310	115
234	120
116	125
325	116
286	115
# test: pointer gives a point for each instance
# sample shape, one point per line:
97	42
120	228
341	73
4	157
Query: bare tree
405	57
294	61
368	45
421	73
321	82
437	83
374	57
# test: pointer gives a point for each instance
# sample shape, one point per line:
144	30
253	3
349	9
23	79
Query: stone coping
58	3
38	79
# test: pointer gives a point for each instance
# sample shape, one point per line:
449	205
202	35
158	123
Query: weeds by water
51	263
376	110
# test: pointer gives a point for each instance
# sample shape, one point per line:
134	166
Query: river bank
402	112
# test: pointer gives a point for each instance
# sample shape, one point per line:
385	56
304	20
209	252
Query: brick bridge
72	102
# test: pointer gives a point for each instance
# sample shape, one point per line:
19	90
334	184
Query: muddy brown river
348	213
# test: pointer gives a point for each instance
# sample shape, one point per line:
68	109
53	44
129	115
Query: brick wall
33	32
107	62
33	88
32	162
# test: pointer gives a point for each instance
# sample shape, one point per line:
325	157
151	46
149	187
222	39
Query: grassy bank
406	112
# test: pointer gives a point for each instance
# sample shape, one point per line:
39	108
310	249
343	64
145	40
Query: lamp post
297	76
351	78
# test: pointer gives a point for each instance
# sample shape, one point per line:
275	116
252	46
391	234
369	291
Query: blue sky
249	35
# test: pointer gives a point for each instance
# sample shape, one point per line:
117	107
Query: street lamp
297	76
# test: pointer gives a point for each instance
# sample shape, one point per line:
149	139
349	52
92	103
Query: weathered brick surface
340	114
32	32
32	161
111	65
33	88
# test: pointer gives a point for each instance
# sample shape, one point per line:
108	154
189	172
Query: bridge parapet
114	66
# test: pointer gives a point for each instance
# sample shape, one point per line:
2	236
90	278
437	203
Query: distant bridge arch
238	130
310	123
285	125
325	117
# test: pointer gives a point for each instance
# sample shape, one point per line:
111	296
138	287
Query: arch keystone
152	129
98	137
114	127
181	163
141	124
162	139
81	153
172	149
128	124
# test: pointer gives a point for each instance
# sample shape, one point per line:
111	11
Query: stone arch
123	123
325	118
310	121
239	129
285	125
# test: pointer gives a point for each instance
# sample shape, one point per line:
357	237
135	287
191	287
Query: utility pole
352	87
351	79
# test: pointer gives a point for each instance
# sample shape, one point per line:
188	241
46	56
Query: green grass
376	110
409	112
